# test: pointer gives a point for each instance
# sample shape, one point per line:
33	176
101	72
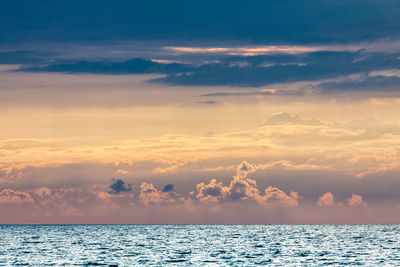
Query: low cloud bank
209	202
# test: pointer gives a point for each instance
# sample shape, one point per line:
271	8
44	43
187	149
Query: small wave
276	252
184	252
95	264
32	242
176	260
303	254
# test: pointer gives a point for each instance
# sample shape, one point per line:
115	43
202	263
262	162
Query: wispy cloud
258	50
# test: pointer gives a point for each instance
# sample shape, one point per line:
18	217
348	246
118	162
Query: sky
199	111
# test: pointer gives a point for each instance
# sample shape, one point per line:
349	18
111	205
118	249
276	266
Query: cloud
288	118
240	202
273	195
211	192
366	83
149	195
242	188
208	102
244	169
78	202
133	66
386	73
168	188
326	200
248	93
119	186
239	189
272	70
9	196
360	147
355	201
327	67
9	174
249	50
22	57
122	172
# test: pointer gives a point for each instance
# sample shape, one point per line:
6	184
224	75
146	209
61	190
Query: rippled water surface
212	245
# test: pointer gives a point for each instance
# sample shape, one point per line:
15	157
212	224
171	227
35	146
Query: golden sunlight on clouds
60	150
258	50
284	141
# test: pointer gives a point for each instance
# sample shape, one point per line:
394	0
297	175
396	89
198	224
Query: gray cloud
119	186
237	93
288	118
266	70
257	71
168	188
133	66
208	102
363	83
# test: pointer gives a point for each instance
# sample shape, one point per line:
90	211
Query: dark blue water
210	245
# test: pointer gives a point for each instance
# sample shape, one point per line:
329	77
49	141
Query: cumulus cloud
149	195
168	188
276	196
119	186
326	200
208	199
244	169
242	188
211	192
355	201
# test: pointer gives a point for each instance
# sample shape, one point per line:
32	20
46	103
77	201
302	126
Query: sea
199	245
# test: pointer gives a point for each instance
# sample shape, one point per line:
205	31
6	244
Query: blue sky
300	22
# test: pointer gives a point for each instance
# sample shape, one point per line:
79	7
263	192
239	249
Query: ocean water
199	245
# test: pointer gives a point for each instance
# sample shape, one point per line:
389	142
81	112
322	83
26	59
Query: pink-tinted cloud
326	200
212	202
355	201
242	188
244	169
149	195
9	174
93	204
274	195
211	192
10	196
